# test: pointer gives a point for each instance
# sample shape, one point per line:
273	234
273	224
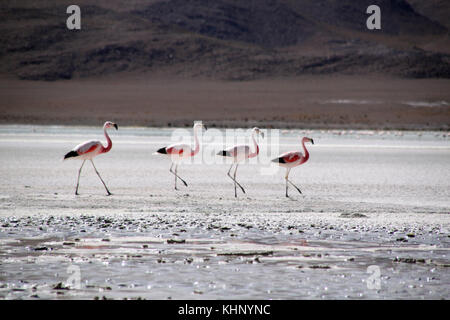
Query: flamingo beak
262	134
312	141
116	126
205	127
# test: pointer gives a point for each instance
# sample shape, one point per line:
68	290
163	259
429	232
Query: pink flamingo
179	151
240	153
292	159
88	150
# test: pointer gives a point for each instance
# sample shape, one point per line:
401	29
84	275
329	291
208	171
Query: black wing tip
162	150
71	154
278	160
224	153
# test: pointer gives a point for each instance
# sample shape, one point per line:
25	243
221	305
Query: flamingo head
258	131
199	124
306	139
109	124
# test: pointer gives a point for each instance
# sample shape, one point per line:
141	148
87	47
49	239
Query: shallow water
376	198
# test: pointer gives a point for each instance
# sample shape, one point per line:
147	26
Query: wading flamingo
89	149
180	151
240	153
292	159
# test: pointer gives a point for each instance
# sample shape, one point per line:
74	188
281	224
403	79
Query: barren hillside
223	39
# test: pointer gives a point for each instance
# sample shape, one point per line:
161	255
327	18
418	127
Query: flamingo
240	153
180	151
293	159
88	150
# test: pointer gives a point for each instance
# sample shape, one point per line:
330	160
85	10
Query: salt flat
369	198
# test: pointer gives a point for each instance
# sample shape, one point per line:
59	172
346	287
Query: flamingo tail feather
71	154
162	151
224	153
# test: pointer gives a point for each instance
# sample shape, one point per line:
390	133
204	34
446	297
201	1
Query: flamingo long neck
254	154
108	139
306	156
197	144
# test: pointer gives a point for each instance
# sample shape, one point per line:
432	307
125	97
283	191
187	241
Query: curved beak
116	126
312	141
205	127
262	134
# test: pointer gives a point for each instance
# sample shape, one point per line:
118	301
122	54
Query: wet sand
370	198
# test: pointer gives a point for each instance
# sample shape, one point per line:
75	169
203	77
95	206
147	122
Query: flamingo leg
176	176
235	192
230	171
78	180
109	193
176	168
234	179
228	174
295	186
235	182
289	181
286	178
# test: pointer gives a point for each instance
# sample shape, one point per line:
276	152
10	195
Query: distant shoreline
237	125
309	102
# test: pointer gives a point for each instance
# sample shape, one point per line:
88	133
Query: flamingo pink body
90	149
180	151
293	159
240	153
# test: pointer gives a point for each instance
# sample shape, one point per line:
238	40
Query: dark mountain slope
436	10
220	39
398	17
268	23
